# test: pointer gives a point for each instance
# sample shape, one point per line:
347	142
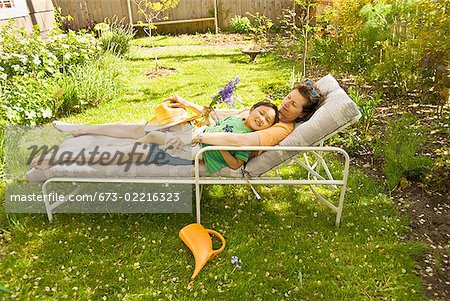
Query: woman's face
260	118
292	106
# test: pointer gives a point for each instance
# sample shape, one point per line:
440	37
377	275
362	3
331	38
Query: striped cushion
336	111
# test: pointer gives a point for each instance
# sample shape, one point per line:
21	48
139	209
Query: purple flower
225	94
237	262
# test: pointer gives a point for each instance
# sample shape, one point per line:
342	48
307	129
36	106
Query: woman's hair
309	90
269	105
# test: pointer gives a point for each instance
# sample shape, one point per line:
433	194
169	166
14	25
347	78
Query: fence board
98	10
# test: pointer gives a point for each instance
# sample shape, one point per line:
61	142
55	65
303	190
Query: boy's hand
174	143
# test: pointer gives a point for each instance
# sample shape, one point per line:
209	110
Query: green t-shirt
232	124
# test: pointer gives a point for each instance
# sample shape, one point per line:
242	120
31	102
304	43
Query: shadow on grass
187	57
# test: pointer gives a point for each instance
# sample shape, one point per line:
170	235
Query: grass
288	243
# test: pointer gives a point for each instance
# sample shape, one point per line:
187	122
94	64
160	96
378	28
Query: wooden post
130	16
215	17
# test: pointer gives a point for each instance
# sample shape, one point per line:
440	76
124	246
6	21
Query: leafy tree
307	27
152	11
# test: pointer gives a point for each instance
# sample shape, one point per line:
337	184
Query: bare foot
41	164
75	130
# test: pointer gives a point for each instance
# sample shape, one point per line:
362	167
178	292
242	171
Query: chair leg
47	203
198	196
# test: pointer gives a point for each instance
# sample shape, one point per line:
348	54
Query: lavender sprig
225	94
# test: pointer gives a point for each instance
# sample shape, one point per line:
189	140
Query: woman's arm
232	162
179	102
227	139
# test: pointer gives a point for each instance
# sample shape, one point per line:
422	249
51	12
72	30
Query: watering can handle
218	235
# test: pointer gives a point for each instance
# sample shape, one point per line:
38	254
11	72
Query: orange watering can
197	238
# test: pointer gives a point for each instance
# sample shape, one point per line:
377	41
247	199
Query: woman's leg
117	129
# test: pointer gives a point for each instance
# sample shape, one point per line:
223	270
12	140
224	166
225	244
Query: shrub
73	48
398	150
240	24
260	28
367	105
401	46
26	100
86	85
28	53
23	53
115	36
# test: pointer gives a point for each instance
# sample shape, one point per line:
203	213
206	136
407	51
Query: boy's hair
310	91
269	105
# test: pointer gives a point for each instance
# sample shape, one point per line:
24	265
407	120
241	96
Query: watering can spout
198	240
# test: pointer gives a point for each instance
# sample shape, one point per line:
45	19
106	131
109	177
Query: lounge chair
306	142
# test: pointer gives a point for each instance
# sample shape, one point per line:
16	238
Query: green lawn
288	243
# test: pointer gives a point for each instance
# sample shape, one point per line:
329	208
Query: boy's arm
232	162
153	137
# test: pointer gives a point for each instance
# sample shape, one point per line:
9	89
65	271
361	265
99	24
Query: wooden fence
86	11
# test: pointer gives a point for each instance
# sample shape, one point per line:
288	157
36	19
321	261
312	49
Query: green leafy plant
29	54
85	86
73	48
367	105
260	28
152	11
398	150
240	24
399	46
26	100
114	35
23	53
286	41
440	173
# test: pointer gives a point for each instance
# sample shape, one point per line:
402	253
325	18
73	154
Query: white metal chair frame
314	178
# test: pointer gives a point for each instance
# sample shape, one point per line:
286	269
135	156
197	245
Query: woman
297	106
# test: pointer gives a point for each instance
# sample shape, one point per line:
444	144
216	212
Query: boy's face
261	118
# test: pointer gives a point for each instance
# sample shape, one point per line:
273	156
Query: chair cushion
337	110
76	144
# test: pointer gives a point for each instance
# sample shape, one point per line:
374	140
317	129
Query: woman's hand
178	102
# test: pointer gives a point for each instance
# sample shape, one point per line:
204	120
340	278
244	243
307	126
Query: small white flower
47	113
67	56
3	76
36	60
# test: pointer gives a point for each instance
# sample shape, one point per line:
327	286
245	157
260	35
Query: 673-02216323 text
98	196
